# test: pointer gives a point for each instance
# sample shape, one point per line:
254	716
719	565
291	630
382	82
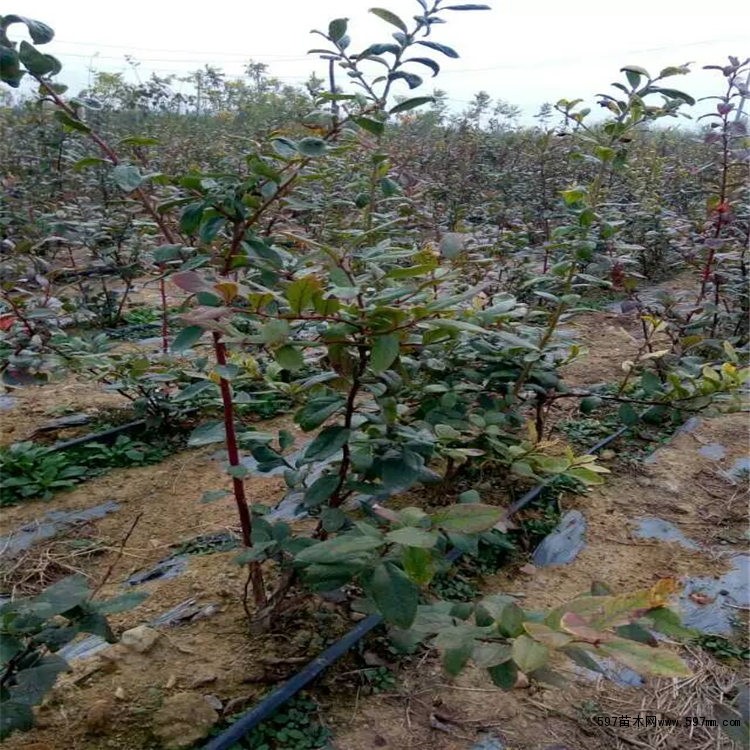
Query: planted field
336	419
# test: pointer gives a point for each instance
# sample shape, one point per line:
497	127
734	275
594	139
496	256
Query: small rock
183	719
357	616
522	681
120	693
214	702
140	639
99	715
682	508
607	454
156	543
206	678
643	481
373	660
171	682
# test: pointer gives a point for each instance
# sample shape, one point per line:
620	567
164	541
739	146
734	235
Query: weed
28	471
293	727
378	679
722	648
454	586
142	315
124	452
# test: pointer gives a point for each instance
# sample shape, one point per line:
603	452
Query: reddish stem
246	524
164	315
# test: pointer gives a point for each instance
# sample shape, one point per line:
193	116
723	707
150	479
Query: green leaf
589	404
259	551
376	127
10	69
637	69
71	122
385	349
312	146
427	62
447	51
89	161
193	390
587	476
337	28
337	549
395	596
289	357
286	439
332	519
320	490
528	654
120	603
301	293
36	63
391	18
456	658
15	717
417	101
275	332
646	660
468	518
419	564
504	675
467	6
490	654
317	410
668	622
674	94
33	684
205	434
284	147
60	597
628	415
39	32
470	496
186	338
9	647
127	177
412	80
191	217
413	537
330	440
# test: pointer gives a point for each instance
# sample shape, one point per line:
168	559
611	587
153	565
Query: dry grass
31	571
711	683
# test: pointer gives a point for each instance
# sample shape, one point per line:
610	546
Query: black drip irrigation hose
106	436
278	697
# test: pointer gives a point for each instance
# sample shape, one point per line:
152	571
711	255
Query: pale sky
523	52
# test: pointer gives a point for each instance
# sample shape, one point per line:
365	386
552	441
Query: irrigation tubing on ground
278	697
106	436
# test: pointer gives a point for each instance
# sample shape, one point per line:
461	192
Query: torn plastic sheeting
562	546
612	671
169	567
53	523
664	531
703	600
